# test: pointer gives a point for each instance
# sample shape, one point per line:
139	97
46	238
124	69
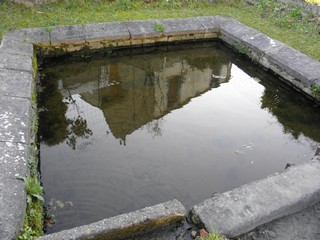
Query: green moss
34	213
243	49
285	24
34	65
33	222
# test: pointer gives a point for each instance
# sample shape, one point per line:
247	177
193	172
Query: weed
315	90
48	28
214	236
33	219
33	167
159	27
295	12
26	234
34	188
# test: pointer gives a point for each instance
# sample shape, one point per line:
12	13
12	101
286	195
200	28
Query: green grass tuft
214	236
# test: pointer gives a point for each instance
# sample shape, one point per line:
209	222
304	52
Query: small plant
48	29
34	189
159	27
33	219
315	90
213	236
26	234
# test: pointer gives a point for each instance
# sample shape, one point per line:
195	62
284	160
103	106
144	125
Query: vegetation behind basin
284	23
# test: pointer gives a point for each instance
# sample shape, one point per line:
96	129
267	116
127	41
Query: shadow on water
143	126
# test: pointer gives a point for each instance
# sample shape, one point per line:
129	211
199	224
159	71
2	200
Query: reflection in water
55	126
189	123
133	93
295	117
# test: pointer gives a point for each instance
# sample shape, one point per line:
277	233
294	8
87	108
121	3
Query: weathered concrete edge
211	28
241	210
16	131
126	225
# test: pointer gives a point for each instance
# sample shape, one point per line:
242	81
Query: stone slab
13	207
14	46
14	119
236	31
261	43
241	210
32	35
15	83
125	225
142	29
110	31
181	26
13	160
212	23
297	64
15	62
67	34
301	225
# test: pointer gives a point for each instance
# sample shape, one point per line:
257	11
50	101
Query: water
120	133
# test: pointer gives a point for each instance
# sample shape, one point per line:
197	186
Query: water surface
120	133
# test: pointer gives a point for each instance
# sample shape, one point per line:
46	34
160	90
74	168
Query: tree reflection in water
54	126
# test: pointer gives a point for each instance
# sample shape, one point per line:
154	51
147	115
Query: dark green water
120	133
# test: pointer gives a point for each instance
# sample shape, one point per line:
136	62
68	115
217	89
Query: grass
159	27
282	23
214	236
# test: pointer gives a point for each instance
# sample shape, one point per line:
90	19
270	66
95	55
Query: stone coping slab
126	225
143	29
16	47
17	77
15	62
241	210
21	80
12	204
